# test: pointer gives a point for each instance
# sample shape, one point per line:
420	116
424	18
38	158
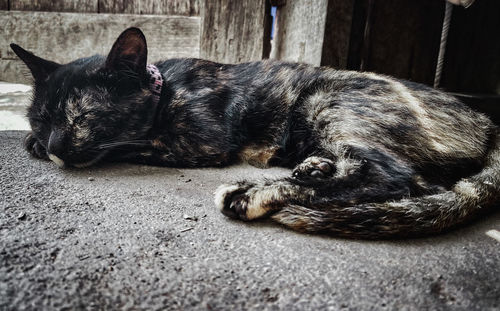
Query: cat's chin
83	165
91	162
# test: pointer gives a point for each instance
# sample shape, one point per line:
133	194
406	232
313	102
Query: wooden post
234	31
162	7
300	30
403	40
337	33
89	6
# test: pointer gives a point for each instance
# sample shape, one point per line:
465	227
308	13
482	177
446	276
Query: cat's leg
319	169
330	161
251	200
360	176
34	147
315	167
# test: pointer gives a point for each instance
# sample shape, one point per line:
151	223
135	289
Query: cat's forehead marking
86	101
82	134
76	105
70	110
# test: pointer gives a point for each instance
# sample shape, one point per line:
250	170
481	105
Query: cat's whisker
96	159
123	143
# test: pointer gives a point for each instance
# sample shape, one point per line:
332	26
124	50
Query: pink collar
155	82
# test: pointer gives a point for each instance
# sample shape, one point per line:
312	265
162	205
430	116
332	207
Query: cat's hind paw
314	168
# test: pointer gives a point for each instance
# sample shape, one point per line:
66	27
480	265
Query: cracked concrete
138	237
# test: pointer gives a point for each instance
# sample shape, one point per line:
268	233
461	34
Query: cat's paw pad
238	201
315	167
34	147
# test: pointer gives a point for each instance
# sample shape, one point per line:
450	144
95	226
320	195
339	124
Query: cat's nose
56	148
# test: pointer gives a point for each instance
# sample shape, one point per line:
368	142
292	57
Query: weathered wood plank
404	38
337	33
164	7
172	7
55	5
472	60
63	37
356	39
300	31
119	6
234	31
4	4
12	70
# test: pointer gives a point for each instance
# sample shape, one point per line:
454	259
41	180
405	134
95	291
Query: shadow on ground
138	237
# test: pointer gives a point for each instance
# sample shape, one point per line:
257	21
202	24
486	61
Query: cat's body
373	156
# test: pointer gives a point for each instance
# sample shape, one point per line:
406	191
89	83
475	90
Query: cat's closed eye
82	117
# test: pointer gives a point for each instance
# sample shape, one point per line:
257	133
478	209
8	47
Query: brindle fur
373	156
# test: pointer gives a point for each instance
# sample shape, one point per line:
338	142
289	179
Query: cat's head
81	109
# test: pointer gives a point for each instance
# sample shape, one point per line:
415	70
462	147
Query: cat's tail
408	217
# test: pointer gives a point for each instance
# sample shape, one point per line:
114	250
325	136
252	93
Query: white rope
442	45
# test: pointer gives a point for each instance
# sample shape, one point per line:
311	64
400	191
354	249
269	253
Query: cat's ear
39	67
129	52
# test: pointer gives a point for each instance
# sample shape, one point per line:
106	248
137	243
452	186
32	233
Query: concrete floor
14	98
137	237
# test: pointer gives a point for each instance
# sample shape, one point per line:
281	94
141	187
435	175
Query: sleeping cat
372	156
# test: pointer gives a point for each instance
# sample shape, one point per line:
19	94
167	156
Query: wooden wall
162	7
395	37
337	34
473	53
90	6
399	38
63	30
402	39
64	37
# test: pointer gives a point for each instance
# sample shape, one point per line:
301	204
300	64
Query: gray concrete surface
147	238
14	99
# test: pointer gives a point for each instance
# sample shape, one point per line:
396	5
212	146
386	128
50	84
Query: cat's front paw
230	200
34	147
314	168
240	201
